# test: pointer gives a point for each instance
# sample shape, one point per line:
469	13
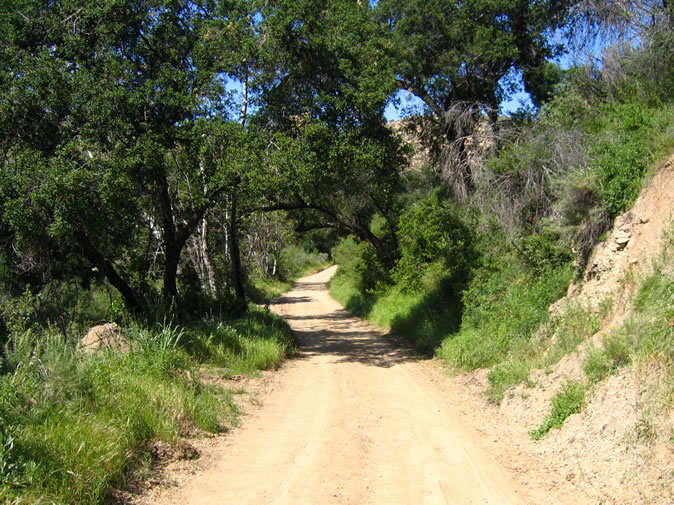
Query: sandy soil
355	420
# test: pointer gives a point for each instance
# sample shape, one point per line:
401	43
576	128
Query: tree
121	89
460	59
327	76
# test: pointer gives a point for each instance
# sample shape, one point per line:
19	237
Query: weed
570	400
504	308
644	431
597	365
504	375
574	326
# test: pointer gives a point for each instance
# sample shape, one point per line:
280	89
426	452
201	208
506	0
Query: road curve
353	421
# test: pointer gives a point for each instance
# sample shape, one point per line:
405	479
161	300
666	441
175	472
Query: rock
105	336
621	241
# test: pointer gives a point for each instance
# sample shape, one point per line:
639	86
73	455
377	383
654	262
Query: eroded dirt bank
354	420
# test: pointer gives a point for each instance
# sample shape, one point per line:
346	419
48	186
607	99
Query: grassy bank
74	426
422	317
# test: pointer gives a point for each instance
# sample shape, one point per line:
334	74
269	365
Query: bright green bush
359	264
294	261
504	306
570	400
432	232
542	251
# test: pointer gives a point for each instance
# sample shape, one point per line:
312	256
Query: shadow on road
346	338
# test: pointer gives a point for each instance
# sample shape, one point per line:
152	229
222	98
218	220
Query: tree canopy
124	139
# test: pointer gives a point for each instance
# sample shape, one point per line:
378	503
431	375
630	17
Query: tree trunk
225	242
208	266
133	301
235	253
171	247
171	260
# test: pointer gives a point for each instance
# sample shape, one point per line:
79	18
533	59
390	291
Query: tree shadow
339	334
347	339
437	314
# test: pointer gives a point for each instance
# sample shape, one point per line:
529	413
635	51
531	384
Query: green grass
649	332
258	340
504	308
600	363
263	289
570	400
354	300
423	316
73	427
506	374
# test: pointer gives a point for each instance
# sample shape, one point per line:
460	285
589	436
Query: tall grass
78	422
75	426
423	316
504	307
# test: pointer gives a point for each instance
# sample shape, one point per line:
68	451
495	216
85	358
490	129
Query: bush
503	308
431	232
570	400
359	263
294	262
544	251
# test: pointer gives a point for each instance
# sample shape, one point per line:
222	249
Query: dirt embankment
619	450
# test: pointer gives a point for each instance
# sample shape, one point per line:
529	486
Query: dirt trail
355	421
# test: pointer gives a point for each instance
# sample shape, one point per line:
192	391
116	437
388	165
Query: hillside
620	448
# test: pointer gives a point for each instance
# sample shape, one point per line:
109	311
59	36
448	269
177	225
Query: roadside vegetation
75	426
536	193
293	262
164	164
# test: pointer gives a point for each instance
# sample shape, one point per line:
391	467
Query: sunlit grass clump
75	426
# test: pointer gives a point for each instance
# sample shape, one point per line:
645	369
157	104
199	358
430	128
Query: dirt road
353	421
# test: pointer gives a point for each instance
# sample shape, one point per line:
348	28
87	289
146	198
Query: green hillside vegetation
170	166
541	197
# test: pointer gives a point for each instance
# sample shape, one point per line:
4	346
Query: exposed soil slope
355	420
619	449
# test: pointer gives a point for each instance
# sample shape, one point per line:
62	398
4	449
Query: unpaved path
355	421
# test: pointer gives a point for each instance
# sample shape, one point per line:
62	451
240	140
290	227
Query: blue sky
410	103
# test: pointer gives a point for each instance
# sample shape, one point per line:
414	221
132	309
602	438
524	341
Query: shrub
570	400
543	251
359	263
294	261
503	308
432	232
